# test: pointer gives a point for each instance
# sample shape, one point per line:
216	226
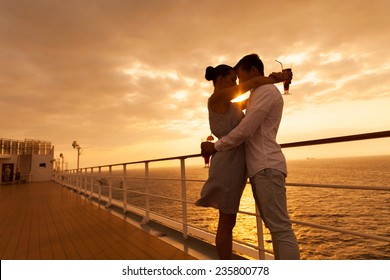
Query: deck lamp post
62	163
75	145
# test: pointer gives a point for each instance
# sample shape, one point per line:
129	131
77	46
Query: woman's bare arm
231	93
228	94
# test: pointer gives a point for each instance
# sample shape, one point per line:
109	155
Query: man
266	164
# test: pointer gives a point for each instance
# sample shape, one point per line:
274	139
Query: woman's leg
224	238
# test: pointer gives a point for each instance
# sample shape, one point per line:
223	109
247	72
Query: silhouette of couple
247	147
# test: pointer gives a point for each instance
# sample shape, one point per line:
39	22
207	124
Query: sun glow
241	98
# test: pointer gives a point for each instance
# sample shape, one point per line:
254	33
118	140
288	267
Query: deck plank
46	221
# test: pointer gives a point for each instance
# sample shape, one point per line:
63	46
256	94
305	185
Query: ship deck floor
45	221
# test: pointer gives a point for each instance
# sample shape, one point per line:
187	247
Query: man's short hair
249	61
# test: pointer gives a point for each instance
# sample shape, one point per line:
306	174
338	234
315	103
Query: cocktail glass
286	84
206	157
287	67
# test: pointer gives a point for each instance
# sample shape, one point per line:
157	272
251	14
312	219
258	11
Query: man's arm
261	103
237	90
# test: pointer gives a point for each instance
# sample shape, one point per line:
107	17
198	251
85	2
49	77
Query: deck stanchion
100	185
260	236
124	170
75	182
92	179
184	196
124	187
91	192
72	180
109	187
146	218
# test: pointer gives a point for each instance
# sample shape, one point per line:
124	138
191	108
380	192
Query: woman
227	173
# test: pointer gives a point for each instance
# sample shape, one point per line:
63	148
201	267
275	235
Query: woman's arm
228	94
233	92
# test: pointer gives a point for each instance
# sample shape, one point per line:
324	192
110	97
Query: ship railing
86	183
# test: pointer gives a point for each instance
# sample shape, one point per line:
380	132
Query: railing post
184	197
83	183
74	187
78	187
91	193
100	185
260	236
109	187
77	177
92	179
124	187
146	218
73	180
124	170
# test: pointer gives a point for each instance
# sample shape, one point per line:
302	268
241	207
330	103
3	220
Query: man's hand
207	148
281	76
287	75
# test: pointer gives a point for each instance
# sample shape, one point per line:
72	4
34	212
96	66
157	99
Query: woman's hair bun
210	73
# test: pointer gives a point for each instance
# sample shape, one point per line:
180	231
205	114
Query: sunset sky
125	78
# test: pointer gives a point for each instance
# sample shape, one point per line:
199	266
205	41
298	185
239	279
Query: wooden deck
44	221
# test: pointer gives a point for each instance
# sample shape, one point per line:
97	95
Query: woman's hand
207	148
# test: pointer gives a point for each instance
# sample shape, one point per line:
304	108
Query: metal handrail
331	140
74	179
339	139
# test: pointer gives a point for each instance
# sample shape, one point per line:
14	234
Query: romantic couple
247	147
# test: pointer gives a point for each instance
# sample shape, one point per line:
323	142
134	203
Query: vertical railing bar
92	179
100	185
86	182
124	187
78	181
91	193
260	236
146	218
124	170
70	181
73	181
81	182
184	197
109	187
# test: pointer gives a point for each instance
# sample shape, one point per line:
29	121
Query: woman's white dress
227	174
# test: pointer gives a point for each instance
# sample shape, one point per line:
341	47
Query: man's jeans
269	191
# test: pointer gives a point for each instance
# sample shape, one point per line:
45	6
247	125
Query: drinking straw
281	64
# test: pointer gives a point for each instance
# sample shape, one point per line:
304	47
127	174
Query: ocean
365	211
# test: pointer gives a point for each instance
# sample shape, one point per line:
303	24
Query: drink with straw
286	68
286	84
